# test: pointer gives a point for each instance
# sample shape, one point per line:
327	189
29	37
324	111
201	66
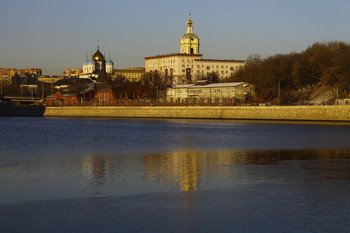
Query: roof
212	85
102	76
215	85
175	54
219	60
63	82
69	81
110	62
182	86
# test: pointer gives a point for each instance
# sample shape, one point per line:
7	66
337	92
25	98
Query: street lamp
279	91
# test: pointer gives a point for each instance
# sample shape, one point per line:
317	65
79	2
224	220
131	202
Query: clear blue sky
57	34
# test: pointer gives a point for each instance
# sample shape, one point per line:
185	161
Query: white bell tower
189	43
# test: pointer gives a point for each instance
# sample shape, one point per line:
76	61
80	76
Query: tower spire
189	43
189	23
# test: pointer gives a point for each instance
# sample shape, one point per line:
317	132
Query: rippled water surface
120	175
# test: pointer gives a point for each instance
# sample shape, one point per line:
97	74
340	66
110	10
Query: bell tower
189	43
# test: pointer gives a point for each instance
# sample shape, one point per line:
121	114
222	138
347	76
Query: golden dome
98	56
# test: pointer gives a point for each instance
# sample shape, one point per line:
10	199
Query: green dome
190	35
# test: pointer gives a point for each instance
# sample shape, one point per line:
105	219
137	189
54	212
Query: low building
240	91
62	99
342	101
100	94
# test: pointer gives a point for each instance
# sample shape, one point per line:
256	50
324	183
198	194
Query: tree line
322	64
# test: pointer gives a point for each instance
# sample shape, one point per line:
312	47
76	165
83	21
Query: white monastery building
188	65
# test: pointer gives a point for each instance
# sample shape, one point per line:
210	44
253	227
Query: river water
123	175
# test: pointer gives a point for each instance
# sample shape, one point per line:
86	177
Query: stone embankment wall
301	113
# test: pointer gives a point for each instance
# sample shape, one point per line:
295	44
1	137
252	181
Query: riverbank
290	113
21	110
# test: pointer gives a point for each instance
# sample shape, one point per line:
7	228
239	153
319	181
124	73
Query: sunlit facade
189	65
238	90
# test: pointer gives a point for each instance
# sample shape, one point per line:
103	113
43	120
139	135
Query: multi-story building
189	65
6	74
131	74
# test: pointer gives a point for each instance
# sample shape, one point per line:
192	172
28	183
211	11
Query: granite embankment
299	113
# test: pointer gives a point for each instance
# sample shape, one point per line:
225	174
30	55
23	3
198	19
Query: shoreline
278	113
327	113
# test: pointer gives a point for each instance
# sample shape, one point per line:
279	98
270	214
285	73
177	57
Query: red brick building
97	95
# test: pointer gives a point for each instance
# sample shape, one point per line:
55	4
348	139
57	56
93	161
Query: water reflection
174	168
189	170
115	175
94	169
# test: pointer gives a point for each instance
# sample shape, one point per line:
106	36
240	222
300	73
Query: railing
157	102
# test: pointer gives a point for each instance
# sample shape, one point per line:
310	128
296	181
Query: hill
318	75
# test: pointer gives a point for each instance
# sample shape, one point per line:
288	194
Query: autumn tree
324	64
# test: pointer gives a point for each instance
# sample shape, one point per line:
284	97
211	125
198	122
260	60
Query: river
137	175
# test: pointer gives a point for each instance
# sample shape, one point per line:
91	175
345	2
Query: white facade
188	65
238	90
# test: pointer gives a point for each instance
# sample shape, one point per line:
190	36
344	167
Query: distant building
73	72
241	91
131	74
49	78
342	101
96	94
7	74
188	65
